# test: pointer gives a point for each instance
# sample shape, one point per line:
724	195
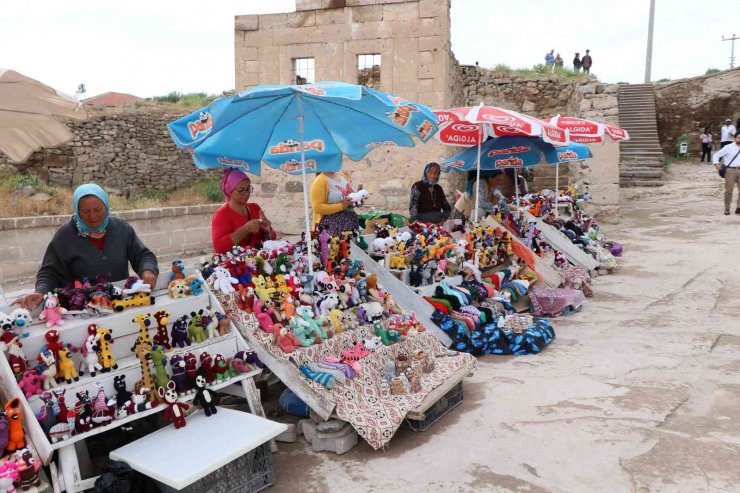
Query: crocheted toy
180	332
104	410
16	358
224	323
122	395
67	366
8	476
302	331
22	320
264	316
209	322
64	430
287	306
135	285
204	397
137	403
221	368
159	360
282	264
369	311
6	323
315	325
178	289
14	414
195	284
206	364
191	368
349	320
28	469
175	411
89	354
223	280
335	317
105	354
358	198
326	303
161	338
48	368
177	268
177	363
31	383
195	327
287	340
52	312
83	410
372	344
260	288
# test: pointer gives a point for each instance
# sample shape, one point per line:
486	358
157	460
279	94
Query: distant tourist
577	62
550	58
706	145
727	132
730	154
586	62
558	61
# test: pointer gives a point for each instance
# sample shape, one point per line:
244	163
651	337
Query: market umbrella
588	131
28	115
514	152
300	129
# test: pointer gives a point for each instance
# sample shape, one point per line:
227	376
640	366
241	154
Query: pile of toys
18	466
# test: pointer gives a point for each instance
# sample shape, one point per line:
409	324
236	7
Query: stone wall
686	106
169	232
126	150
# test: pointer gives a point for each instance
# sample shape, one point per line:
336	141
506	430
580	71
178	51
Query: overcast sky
156	46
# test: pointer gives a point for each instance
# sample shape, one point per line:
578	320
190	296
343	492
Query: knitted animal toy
64	430
358	197
16	358
48	368
103	410
335	316
177	363
195	327
388	337
177	289
306	314
159	360
89	354
22	320
175	411
349	320
191	368
223	280
282	264
8	476
264	316
210	322
287	340
67	366
180	332
161	338
136	404
302	330
122	395
6	322
260	288
206	364
135	285
84	413
326	303
52	312
28	469
221	368
177	268
4	422
143	338
105	354
31	383
224	323
204	397
288	306
14	414
195	284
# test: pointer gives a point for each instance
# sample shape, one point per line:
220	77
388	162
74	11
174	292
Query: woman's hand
30	301
252	226
150	278
346	204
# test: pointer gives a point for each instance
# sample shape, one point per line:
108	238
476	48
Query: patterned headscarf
86	190
424	178
232	177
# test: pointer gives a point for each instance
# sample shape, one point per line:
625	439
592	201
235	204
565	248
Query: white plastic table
178	458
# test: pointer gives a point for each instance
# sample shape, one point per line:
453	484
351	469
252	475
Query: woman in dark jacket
91	244
428	203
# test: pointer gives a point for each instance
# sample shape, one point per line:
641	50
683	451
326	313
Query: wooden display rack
73	458
562	243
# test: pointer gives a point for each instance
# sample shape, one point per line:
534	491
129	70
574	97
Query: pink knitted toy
52	312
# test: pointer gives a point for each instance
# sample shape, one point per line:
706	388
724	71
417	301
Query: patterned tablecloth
375	415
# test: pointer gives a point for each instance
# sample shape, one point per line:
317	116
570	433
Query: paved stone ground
640	392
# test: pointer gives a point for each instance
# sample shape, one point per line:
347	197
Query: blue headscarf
424	178
84	191
484	174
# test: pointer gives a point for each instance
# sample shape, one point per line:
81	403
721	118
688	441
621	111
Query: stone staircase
641	159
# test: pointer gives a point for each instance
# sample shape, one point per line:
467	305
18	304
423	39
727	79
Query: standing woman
238	221
706	145
428	203
91	244
332	209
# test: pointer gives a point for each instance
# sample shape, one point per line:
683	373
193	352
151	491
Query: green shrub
660	81
16	181
211	188
502	68
711	71
155	194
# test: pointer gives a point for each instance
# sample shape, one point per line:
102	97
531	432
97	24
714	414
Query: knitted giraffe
143	320
161	338
142	353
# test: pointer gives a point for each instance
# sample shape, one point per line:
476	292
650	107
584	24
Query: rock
528	106
600	88
331	426
40	197
604	103
610	89
585	105
27	191
587	89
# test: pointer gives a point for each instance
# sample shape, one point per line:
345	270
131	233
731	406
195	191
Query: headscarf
86	190
232	177
424	178
484	174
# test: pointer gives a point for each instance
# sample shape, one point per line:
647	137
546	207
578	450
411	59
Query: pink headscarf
232	177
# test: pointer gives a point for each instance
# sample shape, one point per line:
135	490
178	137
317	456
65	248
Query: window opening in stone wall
368	70
303	71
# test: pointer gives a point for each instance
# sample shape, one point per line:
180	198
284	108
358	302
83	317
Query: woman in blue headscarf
92	244
428	203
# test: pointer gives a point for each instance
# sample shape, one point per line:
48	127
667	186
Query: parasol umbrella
300	129
28	115
514	152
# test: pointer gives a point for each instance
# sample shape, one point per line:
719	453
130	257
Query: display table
179	458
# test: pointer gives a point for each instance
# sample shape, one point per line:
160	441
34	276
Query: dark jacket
70	257
422	200
586	61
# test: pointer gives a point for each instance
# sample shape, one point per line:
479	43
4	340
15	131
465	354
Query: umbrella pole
305	187
477	185
516	189
557	188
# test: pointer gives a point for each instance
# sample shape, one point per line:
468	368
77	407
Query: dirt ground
640	392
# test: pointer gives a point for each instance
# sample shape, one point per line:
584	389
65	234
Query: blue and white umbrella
300	129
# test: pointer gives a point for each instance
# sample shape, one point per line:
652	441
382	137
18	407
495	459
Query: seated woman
428	203
489	192
332	210
239	222
91	244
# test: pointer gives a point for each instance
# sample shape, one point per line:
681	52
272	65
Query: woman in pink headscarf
239	222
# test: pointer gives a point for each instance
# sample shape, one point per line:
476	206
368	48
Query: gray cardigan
70	256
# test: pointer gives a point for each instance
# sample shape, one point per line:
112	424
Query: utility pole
649	54
732	53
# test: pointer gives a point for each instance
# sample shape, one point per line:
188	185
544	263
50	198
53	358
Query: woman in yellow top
332	210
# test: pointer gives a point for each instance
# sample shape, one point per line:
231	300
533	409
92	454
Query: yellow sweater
318	196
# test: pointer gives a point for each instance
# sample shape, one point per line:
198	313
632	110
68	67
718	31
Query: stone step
638	115
644	152
629	183
641	163
647	173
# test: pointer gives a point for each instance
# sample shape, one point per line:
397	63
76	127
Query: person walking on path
731	155
586	62
706	145
577	63
550	59
727	132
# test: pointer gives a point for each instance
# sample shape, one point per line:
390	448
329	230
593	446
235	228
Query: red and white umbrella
588	131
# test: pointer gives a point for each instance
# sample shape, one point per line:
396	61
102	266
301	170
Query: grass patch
537	71
191	100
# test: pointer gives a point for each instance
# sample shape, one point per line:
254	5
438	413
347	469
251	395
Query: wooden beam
562	243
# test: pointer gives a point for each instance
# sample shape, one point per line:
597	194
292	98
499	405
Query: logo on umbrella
425	128
202	125
512	161
372	145
510	150
290	146
456	164
401	115
231	162
315	90
565	155
293	165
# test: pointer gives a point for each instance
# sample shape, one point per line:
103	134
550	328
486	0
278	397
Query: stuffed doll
179	334
31	383
204	397
52	312
16	436
22	320
206	363
177	270
175	411
223	280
